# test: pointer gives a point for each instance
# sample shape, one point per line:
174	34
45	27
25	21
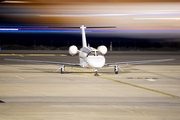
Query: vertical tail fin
84	44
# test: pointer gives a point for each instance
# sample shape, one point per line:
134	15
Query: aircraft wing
136	62
46	62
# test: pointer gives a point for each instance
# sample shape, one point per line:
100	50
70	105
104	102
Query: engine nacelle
102	49
73	50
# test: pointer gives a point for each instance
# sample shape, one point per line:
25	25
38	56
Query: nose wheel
96	72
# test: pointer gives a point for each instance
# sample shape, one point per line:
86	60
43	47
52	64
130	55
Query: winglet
84	44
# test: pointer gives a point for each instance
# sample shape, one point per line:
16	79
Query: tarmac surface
142	92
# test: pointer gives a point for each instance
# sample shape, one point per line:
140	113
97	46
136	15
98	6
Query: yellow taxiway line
129	84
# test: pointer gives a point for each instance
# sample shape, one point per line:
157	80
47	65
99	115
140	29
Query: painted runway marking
126	110
150	80
21	77
128	84
140	78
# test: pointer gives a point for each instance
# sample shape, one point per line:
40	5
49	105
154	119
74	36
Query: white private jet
90	58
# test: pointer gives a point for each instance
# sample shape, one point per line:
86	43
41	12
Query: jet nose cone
96	61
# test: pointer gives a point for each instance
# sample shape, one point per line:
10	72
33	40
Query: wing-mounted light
102	49
73	50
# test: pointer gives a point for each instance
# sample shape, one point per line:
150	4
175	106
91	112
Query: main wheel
62	71
115	70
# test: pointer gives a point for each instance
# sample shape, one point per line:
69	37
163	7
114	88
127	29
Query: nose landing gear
96	72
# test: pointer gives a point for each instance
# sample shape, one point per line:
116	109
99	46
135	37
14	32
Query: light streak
8	29
81	15
156	18
10	1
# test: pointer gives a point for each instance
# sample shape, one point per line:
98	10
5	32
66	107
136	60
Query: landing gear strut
62	69
116	69
96	72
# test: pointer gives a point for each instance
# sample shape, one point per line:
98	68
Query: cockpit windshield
94	53
98	53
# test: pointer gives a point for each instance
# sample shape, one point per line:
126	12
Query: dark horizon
58	41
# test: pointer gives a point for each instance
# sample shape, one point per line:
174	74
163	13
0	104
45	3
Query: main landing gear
62	69
116	69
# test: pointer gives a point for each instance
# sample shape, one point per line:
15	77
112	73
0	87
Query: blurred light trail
28	30
156	18
105	31
150	33
8	26
106	14
7	29
10	1
83	15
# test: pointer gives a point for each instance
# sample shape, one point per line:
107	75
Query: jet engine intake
102	49
73	50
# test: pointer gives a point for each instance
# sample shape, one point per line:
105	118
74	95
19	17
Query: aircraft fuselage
91	58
